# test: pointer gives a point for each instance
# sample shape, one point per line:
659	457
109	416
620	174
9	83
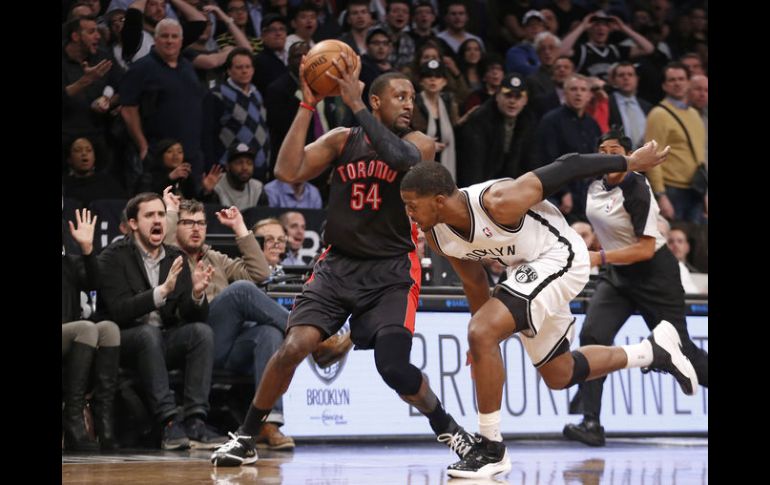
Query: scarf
447	155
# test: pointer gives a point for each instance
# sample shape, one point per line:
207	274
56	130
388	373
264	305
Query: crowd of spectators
198	95
165	90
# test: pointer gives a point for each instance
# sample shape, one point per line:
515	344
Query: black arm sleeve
398	153
573	166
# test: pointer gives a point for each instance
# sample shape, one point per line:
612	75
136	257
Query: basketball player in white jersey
548	265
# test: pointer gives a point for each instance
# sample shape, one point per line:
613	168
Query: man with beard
248	325
237	188
86	72
160	305
370	272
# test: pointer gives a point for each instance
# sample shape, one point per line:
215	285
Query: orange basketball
319	60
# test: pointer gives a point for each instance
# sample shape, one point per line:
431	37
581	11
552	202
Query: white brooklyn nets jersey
547	262
540	230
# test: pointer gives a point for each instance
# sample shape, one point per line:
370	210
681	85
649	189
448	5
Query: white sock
489	426
639	355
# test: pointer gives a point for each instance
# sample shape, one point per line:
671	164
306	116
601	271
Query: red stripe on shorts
414	292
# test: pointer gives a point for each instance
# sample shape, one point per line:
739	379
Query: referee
641	275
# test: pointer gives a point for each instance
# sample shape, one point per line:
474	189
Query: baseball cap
432	68
601	16
240	150
270	18
513	82
532	14
376	30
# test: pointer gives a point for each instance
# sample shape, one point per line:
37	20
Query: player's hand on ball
351	89
332	350
308	96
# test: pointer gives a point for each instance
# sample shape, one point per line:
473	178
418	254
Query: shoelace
230	445
456	442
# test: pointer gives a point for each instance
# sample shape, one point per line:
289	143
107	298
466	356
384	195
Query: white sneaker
667	357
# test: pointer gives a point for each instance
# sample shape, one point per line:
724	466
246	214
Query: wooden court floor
624	461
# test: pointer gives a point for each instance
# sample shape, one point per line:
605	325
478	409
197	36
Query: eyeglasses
237	9
191	222
275	30
379	42
270	240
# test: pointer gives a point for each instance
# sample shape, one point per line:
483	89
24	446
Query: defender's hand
647	157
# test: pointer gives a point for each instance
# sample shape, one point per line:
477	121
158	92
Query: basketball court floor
624	461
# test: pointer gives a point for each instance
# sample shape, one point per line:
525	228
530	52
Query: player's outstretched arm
507	201
573	166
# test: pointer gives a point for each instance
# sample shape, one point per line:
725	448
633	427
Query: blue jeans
249	326
152	352
688	204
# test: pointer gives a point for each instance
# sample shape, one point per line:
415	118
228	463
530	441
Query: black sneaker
202	436
486	459
667	357
240	450
589	431
174	436
457	439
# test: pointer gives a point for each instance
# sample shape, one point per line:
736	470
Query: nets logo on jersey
610	204
525	274
487	232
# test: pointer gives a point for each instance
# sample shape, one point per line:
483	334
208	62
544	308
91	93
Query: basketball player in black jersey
370	271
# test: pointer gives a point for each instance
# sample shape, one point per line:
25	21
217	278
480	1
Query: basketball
319	60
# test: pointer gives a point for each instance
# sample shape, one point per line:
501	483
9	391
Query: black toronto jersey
366	216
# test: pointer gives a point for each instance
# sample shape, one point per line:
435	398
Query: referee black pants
654	289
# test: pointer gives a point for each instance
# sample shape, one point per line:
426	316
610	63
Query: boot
78	370
105	387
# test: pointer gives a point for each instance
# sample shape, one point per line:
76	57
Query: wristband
303	104
604	256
